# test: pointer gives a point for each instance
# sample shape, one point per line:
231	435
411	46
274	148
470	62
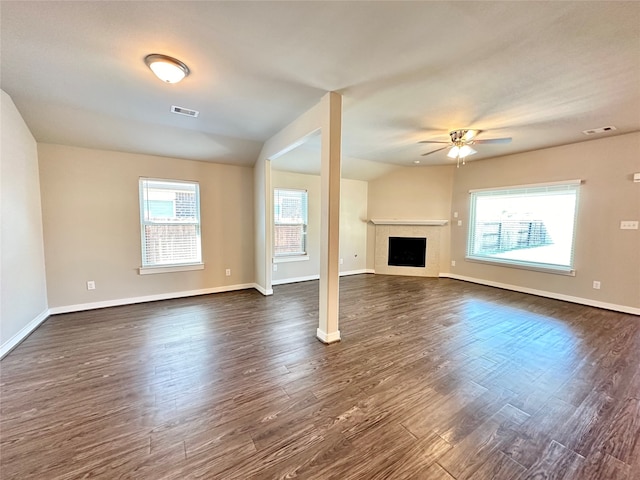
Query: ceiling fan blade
492	140
431	141
434	151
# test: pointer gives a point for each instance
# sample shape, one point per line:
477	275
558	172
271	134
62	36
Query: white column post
331	131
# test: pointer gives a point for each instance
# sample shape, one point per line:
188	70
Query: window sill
523	266
292	258
171	268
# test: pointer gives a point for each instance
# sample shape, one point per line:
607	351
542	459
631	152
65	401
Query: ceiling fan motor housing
457	135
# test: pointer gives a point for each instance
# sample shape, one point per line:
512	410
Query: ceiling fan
460	144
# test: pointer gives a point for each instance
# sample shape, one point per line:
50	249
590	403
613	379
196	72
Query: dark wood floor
434	379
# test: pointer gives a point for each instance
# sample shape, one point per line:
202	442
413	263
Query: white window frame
294	256
152	268
522	190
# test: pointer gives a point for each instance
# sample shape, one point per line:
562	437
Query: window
290	222
170	223
528	227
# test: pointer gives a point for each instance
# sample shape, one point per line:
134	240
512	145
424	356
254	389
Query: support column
331	131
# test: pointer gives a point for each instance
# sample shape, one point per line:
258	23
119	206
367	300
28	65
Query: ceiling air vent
593	131
184	111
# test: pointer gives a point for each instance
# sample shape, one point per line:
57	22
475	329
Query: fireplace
427	232
407	251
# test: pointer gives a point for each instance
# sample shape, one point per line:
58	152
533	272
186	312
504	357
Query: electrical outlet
91	285
341	261
455	214
453	263
629	225
227	272
459	223
596	285
275	267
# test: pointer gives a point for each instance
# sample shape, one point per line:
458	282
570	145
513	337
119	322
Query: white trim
295	279
147	298
540	267
284	281
170	268
328	337
169	180
544	293
576	181
143	190
24	332
290	258
262	290
395	221
354	272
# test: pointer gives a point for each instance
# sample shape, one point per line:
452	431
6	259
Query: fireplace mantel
395	221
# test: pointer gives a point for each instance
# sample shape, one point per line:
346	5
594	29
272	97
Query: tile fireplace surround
429	229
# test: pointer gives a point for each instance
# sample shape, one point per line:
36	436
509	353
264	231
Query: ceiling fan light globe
465	151
453	153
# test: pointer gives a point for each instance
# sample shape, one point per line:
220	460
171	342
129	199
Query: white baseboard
14	341
284	281
355	272
544	293
295	280
148	298
328	337
262	290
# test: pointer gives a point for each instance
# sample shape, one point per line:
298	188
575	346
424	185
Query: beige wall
22	281
353	225
353	230
92	225
412	193
608	195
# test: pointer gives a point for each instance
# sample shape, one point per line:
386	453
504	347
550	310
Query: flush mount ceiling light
167	69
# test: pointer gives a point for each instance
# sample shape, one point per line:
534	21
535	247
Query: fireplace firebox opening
407	251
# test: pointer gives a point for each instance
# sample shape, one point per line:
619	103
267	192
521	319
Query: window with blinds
170	222
530	226
290	222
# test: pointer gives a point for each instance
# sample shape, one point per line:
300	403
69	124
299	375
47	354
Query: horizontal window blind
530	226
290	222
170	222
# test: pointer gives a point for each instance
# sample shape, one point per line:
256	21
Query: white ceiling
539	72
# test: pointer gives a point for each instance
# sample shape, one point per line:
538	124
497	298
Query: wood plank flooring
434	379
